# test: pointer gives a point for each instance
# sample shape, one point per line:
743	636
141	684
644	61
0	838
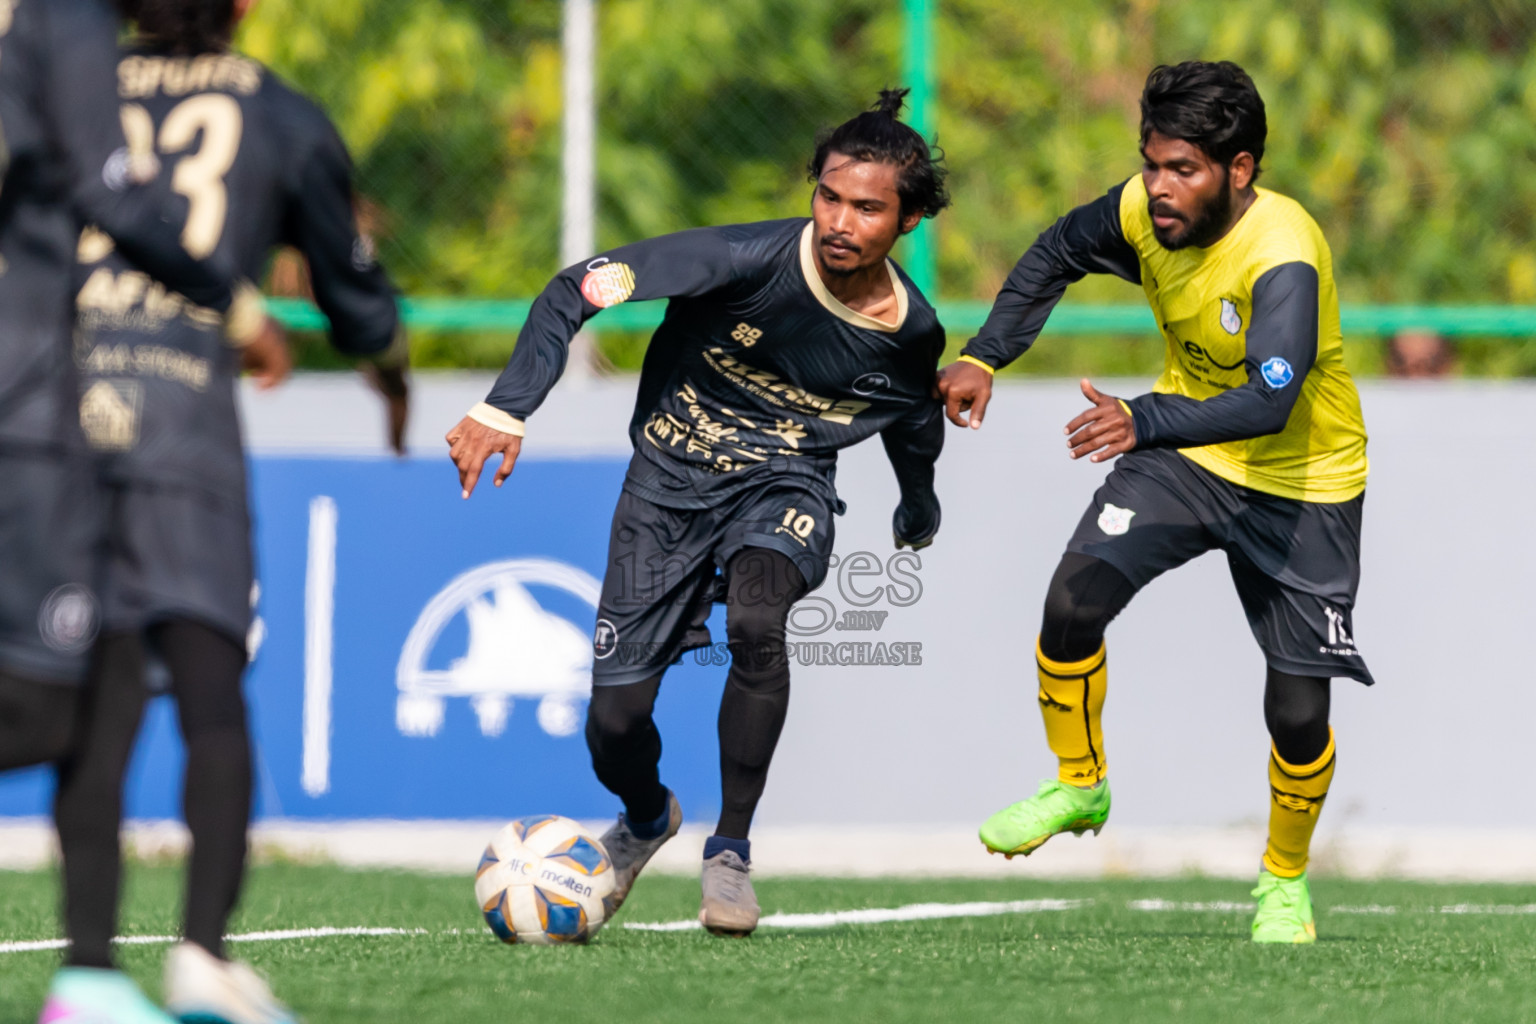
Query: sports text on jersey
139	77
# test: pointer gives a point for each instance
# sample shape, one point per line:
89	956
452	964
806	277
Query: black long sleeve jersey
254	165
1254	387
756	368
63	162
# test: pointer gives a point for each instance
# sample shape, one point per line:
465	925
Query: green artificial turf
1101	961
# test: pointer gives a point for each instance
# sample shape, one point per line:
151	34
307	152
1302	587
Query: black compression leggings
37	720
88	804
761	586
206	668
626	748
1296	712
1085	596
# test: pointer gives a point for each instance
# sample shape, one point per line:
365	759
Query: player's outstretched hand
394	387
471	443
1104	431
915	526
965	387
266	357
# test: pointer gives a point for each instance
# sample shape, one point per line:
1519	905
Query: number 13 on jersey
214	124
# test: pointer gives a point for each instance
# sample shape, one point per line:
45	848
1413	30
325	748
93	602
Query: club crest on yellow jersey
1231	319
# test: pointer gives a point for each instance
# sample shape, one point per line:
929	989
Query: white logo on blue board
516	649
1277	372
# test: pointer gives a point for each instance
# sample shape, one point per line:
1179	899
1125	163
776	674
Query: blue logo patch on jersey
1277	372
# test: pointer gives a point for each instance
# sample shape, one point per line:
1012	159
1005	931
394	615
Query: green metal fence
1407	128
506	316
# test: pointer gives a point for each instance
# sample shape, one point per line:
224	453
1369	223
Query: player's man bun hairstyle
186	28
1210	104
878	136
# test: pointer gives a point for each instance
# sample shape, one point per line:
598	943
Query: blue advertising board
422	656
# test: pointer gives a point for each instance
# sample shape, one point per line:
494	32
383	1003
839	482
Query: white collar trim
831	302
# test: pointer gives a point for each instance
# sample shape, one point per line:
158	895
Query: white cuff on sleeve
247	316
490	416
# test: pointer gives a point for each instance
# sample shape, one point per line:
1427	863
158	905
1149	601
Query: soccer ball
544	880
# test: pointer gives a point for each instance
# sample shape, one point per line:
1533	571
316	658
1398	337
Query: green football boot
1057	807
1285	910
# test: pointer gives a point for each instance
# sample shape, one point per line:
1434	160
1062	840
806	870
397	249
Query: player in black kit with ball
783	343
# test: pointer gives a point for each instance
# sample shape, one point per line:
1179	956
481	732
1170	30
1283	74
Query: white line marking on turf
831	919
31	947
884	915
1218	907
1505	909
166	940
321	933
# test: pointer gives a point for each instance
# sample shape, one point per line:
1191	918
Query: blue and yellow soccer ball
545	880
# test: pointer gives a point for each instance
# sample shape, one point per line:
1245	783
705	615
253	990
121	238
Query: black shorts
50	533
663	570
176	553
1296	564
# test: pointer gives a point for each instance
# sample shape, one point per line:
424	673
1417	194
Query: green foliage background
1407	127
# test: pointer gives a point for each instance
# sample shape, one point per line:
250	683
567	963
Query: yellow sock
1296	795
1072	704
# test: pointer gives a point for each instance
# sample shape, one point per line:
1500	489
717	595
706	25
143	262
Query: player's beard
833	271
1207	227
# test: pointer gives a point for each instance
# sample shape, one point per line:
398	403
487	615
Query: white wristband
247	316
490	416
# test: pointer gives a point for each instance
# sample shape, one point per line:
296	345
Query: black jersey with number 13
62	162
254	165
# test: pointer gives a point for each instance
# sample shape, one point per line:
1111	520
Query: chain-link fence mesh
1407	128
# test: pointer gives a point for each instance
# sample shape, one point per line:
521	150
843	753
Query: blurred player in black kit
254	166
783	343
63	162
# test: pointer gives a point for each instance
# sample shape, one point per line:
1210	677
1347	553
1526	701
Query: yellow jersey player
1250	443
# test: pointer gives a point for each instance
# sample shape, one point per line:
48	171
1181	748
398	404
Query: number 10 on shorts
796	524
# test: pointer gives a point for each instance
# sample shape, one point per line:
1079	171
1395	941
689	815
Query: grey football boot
730	905
629	853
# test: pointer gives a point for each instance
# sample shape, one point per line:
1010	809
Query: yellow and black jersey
1254	387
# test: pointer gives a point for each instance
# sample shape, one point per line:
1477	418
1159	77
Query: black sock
206	669
750	723
716	845
761	587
